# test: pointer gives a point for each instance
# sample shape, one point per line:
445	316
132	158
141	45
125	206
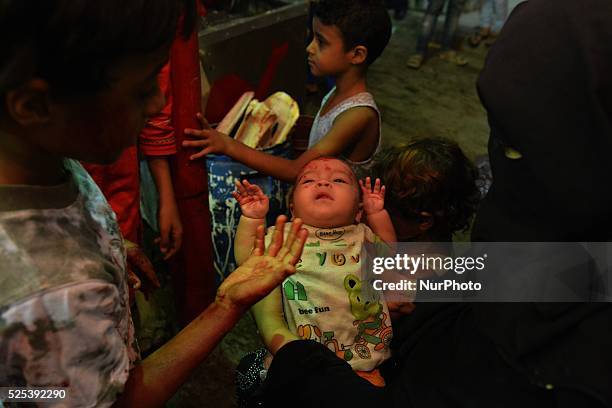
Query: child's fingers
202	120
236	195
246	200
288	241
133	280
277	238
195	143
261	196
248	187
382	191
369	184
377	186
252	188
240	187
201	133
288	245
296	249
258	246
202	153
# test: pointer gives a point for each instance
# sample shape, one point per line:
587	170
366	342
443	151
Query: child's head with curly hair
431	190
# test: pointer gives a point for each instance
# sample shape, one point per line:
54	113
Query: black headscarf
547	89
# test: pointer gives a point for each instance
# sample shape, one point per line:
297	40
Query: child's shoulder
352	117
361	99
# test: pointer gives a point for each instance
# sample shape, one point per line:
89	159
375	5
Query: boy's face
326	194
97	128
326	53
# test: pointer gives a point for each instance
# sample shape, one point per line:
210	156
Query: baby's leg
374	377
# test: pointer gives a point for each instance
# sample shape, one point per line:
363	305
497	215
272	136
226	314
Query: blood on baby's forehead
327	165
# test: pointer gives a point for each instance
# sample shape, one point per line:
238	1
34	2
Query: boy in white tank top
349	35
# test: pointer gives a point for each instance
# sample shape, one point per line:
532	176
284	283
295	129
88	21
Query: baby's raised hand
373	199
253	202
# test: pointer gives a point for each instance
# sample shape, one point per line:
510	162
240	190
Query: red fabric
120	181
157	138
226	91
201	9
193	268
120	185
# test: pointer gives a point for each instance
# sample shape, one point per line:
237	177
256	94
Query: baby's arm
378	218
268	312
270	319
347	127
380	222
254	206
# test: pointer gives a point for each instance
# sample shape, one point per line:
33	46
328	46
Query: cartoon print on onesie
371	323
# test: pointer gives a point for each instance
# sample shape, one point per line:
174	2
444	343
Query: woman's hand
373	199
210	141
265	269
253	202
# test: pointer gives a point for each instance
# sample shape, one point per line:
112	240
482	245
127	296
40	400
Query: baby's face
326	194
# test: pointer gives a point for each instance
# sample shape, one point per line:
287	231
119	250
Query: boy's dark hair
361	22
431	175
72	44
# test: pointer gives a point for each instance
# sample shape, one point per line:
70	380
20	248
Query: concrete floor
438	100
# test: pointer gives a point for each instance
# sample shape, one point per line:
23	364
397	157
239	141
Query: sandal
479	36
454	58
490	40
415	61
432	45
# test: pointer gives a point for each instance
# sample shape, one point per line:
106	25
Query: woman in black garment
547	89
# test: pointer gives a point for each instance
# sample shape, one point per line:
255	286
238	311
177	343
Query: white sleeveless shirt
323	123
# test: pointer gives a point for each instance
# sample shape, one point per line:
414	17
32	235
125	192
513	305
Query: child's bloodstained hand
210	141
140	270
253	202
373	198
265	269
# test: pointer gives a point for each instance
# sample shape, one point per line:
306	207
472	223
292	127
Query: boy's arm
268	314
170	226
152	382
346	128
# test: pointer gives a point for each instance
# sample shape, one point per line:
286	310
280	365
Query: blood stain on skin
264	266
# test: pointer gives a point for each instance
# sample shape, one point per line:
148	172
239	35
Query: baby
326	300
